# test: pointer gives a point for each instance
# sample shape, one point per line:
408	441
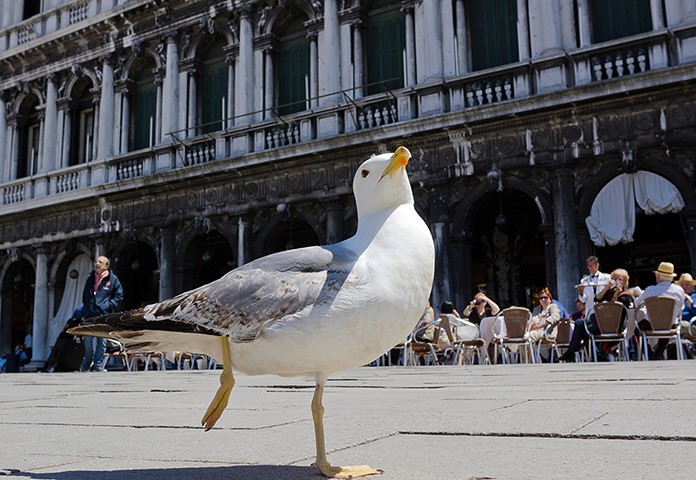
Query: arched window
293	67
214	99
82	121
144	108
619	18
493	27
29	128
386	43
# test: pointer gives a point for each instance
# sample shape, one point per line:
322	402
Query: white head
381	183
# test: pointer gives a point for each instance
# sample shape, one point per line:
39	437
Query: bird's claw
353	471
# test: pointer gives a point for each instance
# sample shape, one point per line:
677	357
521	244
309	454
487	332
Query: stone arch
136	264
667	237
16	300
498	240
309	231
464	207
133	62
271	18
199	40
204	256
24	95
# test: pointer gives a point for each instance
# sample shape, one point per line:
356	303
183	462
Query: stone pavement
573	421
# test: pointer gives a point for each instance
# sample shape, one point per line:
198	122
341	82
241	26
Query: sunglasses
543	298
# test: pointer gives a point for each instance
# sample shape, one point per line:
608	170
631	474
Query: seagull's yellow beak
398	160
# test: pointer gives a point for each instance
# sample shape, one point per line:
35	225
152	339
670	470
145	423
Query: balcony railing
485	89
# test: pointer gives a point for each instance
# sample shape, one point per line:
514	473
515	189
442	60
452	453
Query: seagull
306	312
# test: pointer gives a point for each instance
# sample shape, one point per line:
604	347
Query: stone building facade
183	138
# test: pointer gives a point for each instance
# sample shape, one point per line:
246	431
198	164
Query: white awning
612	218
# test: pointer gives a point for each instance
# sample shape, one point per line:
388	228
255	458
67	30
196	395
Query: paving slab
588	420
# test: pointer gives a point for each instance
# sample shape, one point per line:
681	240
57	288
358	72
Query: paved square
607	420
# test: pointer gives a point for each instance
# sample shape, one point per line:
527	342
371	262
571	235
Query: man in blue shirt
103	294
687	282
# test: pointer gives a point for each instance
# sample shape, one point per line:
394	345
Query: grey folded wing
240	303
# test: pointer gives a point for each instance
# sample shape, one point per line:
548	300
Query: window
293	72
619	18
82	124
86	135
144	115
385	51
31	8
493	27
28	125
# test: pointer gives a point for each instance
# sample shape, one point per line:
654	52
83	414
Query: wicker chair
609	318
516	321
663	315
562	340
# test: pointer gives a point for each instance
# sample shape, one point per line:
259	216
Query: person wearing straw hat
664	276
687	282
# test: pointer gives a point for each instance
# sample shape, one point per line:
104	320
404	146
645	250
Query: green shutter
493	26
214	94
145	116
385	47
619	18
293	73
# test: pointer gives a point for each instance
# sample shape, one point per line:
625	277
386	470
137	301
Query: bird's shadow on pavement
232	472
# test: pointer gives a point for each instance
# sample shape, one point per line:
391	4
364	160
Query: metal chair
609	318
663	314
517	322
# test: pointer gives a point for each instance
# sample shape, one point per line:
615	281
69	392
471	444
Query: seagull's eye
365	172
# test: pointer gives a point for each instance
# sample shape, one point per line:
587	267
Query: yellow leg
222	396
322	463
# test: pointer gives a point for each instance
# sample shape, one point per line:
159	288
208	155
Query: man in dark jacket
103	294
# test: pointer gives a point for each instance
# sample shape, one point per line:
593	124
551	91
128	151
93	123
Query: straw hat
666	268
684	279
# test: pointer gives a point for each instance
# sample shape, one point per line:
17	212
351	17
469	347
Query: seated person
664	275
480	307
687	282
462	329
545	316
580	312
615	290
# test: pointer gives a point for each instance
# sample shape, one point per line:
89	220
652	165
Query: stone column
545	25
61	149
358	72
192	100
690	221
547	231
410	77
269	84
462	265
106	112
658	14
523	29
441	283
166	262
244	226
433	40
565	237
313	70
230	90
40	324
48	161
13	148
124	116
3	134
245	87
158	124
334	223
331	65
462	40
170	100
584	24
